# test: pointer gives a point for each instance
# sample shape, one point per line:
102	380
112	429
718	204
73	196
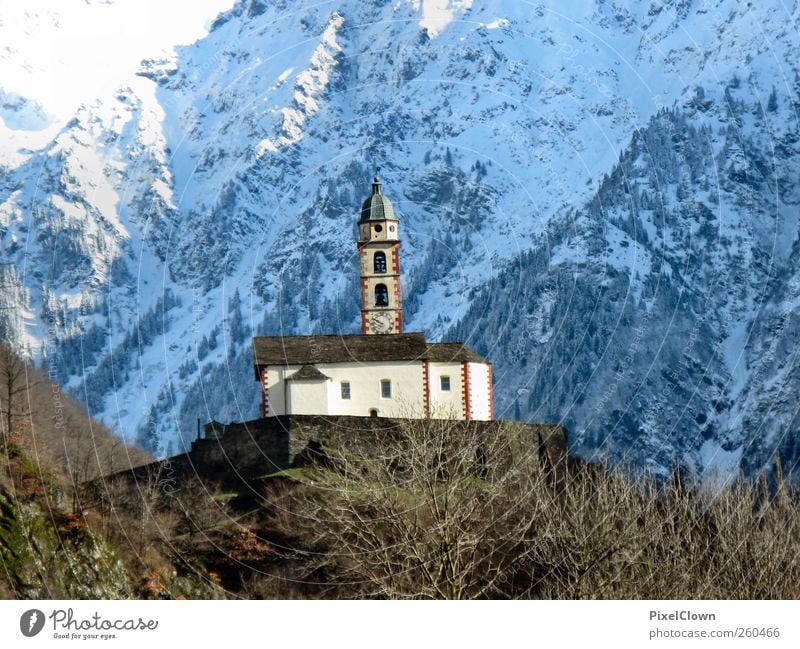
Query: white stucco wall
307	397
480	393
446	405
365	390
407	400
276	395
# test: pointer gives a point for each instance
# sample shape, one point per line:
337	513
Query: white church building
383	372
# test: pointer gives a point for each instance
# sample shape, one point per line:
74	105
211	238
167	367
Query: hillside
48	447
405	509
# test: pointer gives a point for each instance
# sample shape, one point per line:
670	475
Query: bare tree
13	386
430	509
438	509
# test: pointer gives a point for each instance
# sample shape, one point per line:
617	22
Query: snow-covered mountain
602	199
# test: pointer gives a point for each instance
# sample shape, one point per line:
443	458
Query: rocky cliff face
42	562
603	200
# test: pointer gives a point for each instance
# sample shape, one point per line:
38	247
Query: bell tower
379	252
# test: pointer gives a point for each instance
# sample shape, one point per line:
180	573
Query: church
383	372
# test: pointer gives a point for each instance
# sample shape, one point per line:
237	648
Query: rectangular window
386	389
445	384
345	390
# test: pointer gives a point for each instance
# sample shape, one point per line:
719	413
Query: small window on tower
445	381
345	389
386	389
381	295
379	264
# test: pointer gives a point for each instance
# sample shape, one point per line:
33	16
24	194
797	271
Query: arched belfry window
381	295
379	262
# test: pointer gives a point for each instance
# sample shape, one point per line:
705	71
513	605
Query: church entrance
373	412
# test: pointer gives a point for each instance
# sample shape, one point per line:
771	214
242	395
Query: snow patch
497	23
284	76
735	358
438	14
719	466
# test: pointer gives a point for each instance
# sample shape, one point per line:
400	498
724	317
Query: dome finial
376	183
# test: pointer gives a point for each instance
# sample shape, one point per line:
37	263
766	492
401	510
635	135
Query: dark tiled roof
307	373
449	352
310	350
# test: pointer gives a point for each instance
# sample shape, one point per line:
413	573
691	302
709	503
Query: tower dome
377	207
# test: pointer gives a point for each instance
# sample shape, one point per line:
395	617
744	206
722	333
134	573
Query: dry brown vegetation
446	514
51	428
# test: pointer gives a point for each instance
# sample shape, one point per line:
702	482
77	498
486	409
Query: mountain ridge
164	226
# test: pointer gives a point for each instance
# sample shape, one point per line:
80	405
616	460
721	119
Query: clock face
382	322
